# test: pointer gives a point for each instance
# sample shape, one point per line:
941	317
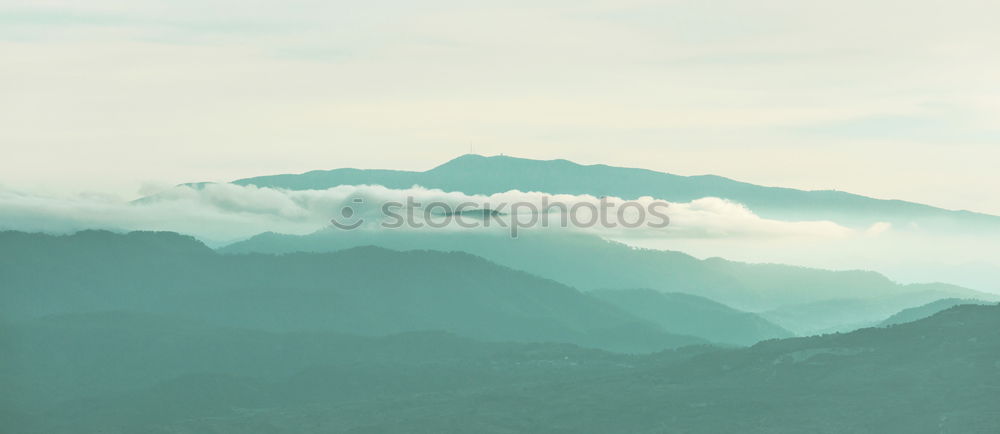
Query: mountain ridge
589	262
347	291
477	174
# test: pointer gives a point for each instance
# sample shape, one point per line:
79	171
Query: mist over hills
690	314
924	311
741	263
476	174
589	262
155	332
474	331
366	290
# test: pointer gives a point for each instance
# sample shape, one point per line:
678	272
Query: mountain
589	262
938	374
476	174
364	290
933	375
693	315
921	312
843	315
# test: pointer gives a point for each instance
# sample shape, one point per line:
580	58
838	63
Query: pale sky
893	99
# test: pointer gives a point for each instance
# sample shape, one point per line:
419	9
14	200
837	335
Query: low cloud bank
219	213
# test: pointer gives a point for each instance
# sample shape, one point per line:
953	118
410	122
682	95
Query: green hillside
128	373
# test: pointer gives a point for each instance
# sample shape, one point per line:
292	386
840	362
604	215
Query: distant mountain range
924	311
470	331
794	294
690	314
476	174
365	290
155	332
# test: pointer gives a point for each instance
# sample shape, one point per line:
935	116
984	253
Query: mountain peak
501	161
482	174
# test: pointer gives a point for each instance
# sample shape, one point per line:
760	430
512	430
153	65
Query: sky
892	99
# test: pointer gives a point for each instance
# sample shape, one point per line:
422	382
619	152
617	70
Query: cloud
223	213
878	228
219	213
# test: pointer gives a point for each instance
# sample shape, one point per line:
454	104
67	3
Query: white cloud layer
222	213
225	212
